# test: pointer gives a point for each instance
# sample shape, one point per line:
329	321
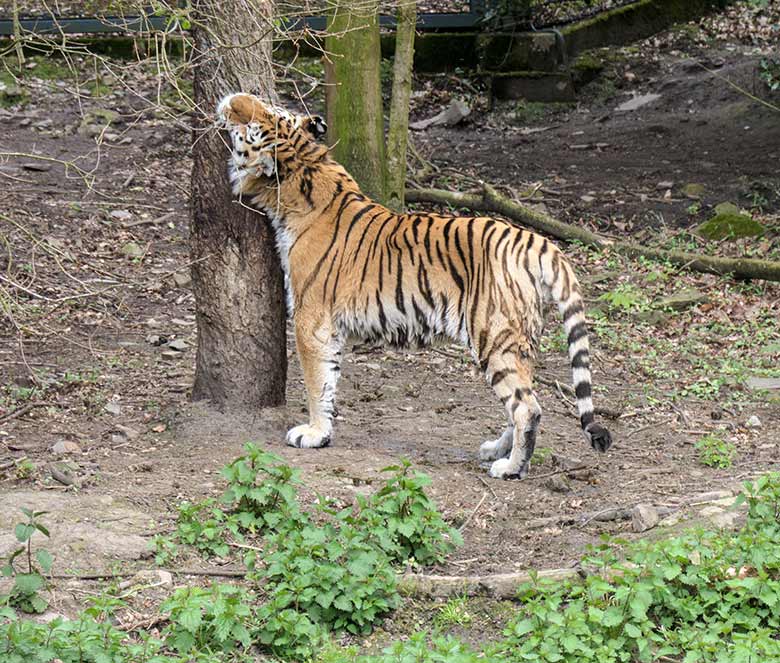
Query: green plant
333	572
454	613
625	297
714	451
769	72
212	619
25	593
404	521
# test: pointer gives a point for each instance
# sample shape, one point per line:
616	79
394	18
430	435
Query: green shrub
404	521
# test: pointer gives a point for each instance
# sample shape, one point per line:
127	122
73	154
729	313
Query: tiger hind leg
513	385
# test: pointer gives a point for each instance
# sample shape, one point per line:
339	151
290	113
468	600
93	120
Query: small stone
558	484
643	517
66	447
666	184
44	124
637	102
156	340
37	166
753	422
178	344
763	383
181	279
588	199
111	137
131	250
112	407
371	366
170	355
121	214
127	431
156	577
456	112
151	322
683	299
693	191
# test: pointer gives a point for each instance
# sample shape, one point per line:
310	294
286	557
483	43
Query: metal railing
478	16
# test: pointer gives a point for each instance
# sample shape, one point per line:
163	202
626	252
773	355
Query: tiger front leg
319	351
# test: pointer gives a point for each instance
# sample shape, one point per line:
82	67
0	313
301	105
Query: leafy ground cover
701	596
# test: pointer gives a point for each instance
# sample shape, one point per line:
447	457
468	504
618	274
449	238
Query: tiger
355	269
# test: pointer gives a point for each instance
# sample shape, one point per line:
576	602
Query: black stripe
498	376
577	332
573	309
582	390
399	287
581	359
586	419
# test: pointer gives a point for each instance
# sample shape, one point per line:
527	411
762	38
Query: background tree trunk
354	93
398	130
236	276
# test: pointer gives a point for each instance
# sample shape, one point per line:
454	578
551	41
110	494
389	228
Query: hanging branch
489	200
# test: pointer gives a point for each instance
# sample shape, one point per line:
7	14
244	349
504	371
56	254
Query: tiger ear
316	126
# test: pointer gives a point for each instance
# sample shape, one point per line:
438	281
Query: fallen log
489	200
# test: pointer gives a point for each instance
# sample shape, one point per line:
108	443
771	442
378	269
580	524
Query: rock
753	422
156	577
121	214
643	517
666	184
683	299
456	112
720	517
170	355
763	383
730	224
566	463
181	279
178	344
637	102
131	250
156	340
693	191
112	407
652	316
558	484
37	166
44	124
127	431
65	447
588	199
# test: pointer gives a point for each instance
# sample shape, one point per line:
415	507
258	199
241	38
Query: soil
94	286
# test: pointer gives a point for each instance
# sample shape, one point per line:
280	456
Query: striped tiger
356	269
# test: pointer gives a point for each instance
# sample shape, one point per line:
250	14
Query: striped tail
565	291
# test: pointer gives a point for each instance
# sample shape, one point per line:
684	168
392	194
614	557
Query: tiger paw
493	449
307	437
503	469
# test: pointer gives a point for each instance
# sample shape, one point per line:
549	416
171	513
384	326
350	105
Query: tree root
489	200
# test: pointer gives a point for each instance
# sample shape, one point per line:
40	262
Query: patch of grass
454	612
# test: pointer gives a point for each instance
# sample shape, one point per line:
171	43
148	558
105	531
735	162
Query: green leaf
632	631
28	583
23	532
190	619
44	559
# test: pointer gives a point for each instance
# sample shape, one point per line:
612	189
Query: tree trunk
354	93
399	106
236	275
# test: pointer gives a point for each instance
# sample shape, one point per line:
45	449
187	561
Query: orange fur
355	268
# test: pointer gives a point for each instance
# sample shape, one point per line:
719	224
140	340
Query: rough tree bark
236	276
399	107
354	93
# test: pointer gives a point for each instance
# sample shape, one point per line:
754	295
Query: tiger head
267	141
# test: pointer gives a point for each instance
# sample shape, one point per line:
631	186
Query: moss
632	22
730	225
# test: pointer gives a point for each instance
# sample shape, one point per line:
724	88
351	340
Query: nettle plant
25	593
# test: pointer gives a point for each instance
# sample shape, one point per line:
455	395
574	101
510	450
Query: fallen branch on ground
489	200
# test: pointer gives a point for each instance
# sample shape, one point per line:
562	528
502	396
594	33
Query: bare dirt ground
94	287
